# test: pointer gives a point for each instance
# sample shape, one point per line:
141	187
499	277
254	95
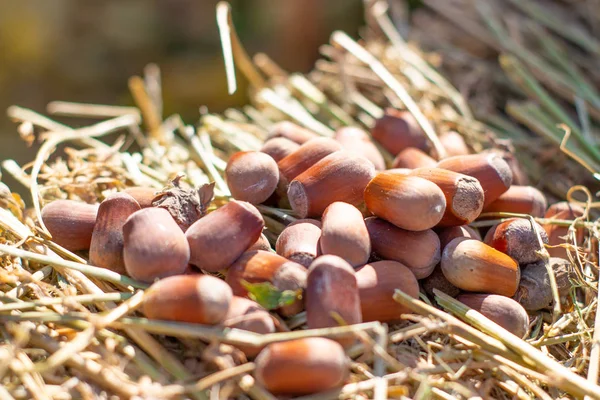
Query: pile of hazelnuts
361	230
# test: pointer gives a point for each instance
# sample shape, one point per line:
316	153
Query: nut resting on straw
324	240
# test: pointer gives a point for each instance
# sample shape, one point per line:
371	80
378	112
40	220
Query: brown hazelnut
345	234
411	158
521	200
397	130
500	309
70	223
251	176
299	241
291	131
279	148
517	238
358	141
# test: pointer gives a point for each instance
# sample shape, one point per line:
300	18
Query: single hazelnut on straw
492	172
251	176
331	288
70	223
291	131
305	157
106	247
279	148
153	245
419	251
517	238
464	194
377	282
454	144
345	234
301	366
299	241
358	141
474	266
248	315
341	176
409	202
397	130
263	266
143	195
411	158
219	238
500	309
520	200
199	299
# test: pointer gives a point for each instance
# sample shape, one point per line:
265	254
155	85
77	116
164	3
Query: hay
70	330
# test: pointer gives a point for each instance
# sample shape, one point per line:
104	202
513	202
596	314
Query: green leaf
268	296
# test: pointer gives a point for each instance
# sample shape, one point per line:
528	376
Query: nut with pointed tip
519	177
153	245
474	266
464	194
220	237
454	144
345	234
492	172
142	194
409	202
305	157
106	248
338	177
356	140
251	176
397	130
299	241
377	282
291	131
419	251
500	309
411	158
279	148
248	315
262	266
331	288
70	223
518	239
450	233
301	366
199	299
261	244
520	200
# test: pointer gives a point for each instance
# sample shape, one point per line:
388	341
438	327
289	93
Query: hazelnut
419	251
251	176
376	285
338	177
500	309
217	239
345	234
411	158
454	144
521	200
301	366
446	235
516	238
248	315
305	157
409	202
199	299
143	195
474	266
397	130
70	223
106	248
299	241
279	148
153	245
291	131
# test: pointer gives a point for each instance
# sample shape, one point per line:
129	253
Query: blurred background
85	51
